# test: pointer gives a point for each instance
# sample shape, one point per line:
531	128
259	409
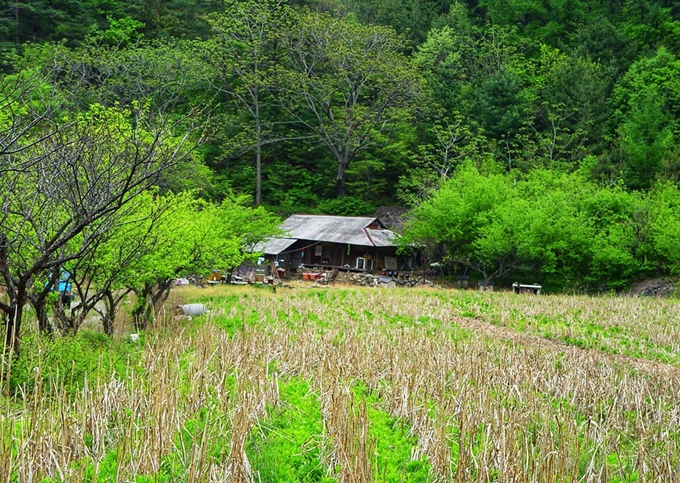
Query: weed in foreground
412	392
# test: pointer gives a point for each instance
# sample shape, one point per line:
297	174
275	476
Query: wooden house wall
333	255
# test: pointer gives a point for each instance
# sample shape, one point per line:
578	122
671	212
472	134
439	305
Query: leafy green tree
195	237
119	32
66	189
558	234
647	100
546	224
184	19
599	40
569	99
26	106
501	104
244	58
480	75
100	277
349	84
158	76
447	143
665	226
376	172
539	230
160	79
622	247
174	246
649	24
443	60
412	18
646	140
543	20
462	224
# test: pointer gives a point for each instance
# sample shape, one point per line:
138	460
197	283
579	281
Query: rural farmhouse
361	244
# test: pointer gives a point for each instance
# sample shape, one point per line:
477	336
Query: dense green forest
536	140
379	101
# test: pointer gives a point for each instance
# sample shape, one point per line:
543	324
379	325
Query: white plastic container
193	309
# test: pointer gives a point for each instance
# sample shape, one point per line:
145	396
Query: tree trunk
39	303
140	311
258	151
40	307
67	322
160	295
258	174
13	324
109	315
340	180
149	301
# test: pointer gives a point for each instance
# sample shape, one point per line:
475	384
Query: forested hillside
564	110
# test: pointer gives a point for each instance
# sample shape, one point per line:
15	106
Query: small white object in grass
193	309
134	337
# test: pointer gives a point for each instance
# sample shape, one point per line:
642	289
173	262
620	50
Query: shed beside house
333	242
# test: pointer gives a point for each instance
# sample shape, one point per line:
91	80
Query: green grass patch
63	363
393	444
286	446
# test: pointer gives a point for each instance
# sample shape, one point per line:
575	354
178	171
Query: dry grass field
356	385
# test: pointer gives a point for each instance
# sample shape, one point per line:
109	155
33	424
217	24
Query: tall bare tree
244	59
349	84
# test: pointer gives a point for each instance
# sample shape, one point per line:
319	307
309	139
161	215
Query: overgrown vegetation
355	385
143	141
135	138
380	100
548	227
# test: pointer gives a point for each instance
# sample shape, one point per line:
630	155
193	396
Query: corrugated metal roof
273	246
382	238
335	229
352	230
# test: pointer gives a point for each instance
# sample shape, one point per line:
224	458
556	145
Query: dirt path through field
500	332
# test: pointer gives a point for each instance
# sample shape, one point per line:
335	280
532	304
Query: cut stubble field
359	385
